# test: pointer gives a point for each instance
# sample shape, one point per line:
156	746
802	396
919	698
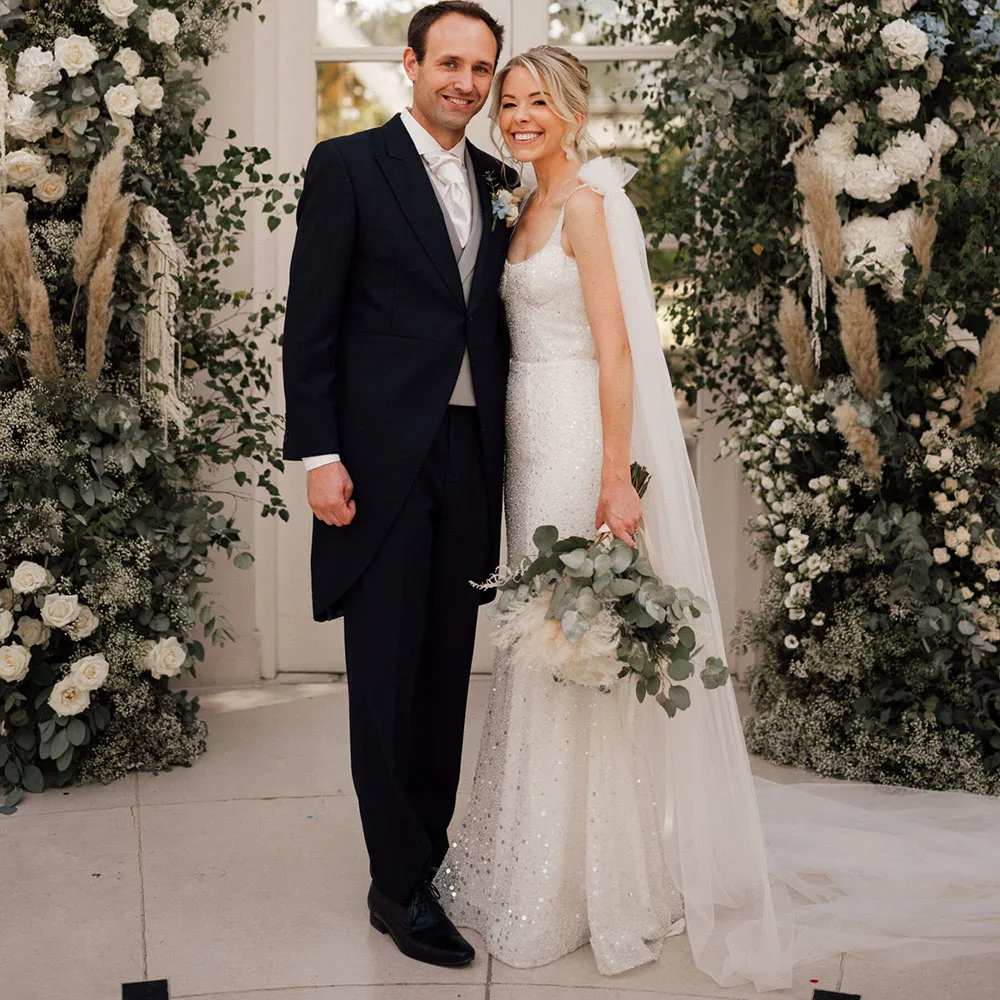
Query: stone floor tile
118	795
263	895
71	911
674	975
973	977
580	993
397	991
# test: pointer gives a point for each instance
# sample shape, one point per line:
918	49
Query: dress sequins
560	844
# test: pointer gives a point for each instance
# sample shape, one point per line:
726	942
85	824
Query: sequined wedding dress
560	844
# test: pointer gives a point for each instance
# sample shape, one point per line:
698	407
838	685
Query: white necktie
449	170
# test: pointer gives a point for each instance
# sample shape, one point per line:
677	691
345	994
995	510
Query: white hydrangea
36	70
75	54
939	136
163	26
122	100
869	179
25	167
896	8
898	105
934	68
117	10
908	156
962	110
24	121
792	9
836	145
818	77
848	21
906	44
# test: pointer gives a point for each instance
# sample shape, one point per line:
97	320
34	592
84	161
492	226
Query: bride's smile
530	126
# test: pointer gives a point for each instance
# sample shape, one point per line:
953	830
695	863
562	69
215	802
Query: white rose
792	9
76	54
898	105
60	610
32	632
962	110
993	574
933	463
86	624
163	27
130	61
25	168
819	618
117	10
166	658
51	188
6	624
940	136
796	614
941	556
14	662
90	672
906	44
150	92
791	642
69	697
36	70
122	99
29	577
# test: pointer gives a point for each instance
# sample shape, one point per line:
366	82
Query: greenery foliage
122	507
866	422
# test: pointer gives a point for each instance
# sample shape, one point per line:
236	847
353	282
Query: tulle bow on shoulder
607	174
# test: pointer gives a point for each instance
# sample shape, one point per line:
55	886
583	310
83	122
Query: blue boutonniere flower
505	203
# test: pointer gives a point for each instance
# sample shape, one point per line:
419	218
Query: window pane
581	22
356	96
362	23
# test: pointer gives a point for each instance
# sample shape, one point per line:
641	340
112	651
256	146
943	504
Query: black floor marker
831	995
156	989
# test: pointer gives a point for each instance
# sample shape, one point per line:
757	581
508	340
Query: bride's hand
619	508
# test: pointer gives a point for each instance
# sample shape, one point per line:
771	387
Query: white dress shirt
425	144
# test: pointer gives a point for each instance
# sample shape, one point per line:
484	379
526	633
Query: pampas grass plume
923	233
983	378
859	439
859	336
102	284
16	250
102	193
821	211
42	358
115	226
8	299
795	338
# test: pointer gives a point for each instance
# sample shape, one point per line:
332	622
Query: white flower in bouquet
879	246
6	624
24	121
25	167
86	624
117	10
934	68
32	632
993	574
163	26
7	599
36	70
536	642
75	54
908	156
818	619
150	92
791	642
939	136
898	105
90	672
796	614
166	657
50	188
792	9
933	463
896	8
29	577
14	662
60	610
847	24
130	61
122	99
869	179
962	110
809	33
907	45
69	697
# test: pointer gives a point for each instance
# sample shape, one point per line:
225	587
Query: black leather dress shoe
420	928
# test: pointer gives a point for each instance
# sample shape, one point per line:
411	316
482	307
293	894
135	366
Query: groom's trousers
410	628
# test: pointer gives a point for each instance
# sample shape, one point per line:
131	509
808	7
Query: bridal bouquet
594	612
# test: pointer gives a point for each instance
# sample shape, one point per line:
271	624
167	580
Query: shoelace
422	904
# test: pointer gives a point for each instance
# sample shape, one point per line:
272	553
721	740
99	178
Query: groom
395	370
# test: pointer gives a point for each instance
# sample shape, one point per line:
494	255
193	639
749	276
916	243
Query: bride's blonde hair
563	78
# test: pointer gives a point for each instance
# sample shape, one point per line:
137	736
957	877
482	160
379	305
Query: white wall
264	89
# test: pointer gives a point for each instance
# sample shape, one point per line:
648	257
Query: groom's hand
330	490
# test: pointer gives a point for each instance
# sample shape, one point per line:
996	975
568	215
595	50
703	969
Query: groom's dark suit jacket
375	332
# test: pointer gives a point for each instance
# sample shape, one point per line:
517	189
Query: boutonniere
505	203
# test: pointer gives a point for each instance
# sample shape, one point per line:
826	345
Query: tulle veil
775	875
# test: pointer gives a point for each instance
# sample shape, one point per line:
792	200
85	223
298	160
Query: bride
593	819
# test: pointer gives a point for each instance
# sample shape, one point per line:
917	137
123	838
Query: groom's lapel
407	176
493	243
